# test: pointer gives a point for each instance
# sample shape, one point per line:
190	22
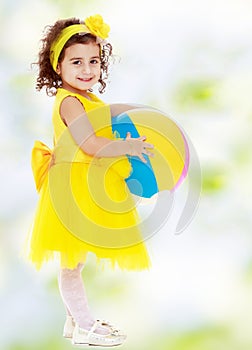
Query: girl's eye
94	61
77	62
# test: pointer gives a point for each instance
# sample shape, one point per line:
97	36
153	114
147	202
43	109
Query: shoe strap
114	330
93	328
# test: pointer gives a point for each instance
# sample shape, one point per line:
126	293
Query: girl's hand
138	147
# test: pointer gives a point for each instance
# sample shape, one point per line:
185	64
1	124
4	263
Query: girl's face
80	68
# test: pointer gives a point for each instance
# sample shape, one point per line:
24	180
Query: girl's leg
74	297
67	311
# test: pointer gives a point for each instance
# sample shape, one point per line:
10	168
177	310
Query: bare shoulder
70	109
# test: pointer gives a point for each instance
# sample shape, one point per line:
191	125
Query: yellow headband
93	25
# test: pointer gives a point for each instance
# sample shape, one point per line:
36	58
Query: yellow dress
84	204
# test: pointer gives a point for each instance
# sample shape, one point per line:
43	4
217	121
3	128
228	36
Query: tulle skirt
84	208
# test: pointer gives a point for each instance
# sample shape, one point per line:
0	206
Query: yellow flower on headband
97	27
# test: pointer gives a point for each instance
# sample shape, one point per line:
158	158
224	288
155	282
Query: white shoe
70	324
85	337
68	327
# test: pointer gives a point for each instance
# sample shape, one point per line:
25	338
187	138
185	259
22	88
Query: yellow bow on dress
42	157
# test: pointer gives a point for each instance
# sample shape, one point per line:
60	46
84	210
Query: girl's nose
86	68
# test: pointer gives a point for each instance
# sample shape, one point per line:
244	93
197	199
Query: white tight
74	296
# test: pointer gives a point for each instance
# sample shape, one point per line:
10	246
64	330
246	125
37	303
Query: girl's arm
116	109
75	117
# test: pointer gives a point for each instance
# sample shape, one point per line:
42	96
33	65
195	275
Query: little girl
84	205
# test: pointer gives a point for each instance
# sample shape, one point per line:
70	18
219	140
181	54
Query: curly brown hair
47	77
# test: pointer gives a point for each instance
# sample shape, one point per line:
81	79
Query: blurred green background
191	59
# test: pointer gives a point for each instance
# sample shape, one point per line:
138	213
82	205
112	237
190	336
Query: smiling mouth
85	80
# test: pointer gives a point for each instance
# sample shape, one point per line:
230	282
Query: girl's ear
58	69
